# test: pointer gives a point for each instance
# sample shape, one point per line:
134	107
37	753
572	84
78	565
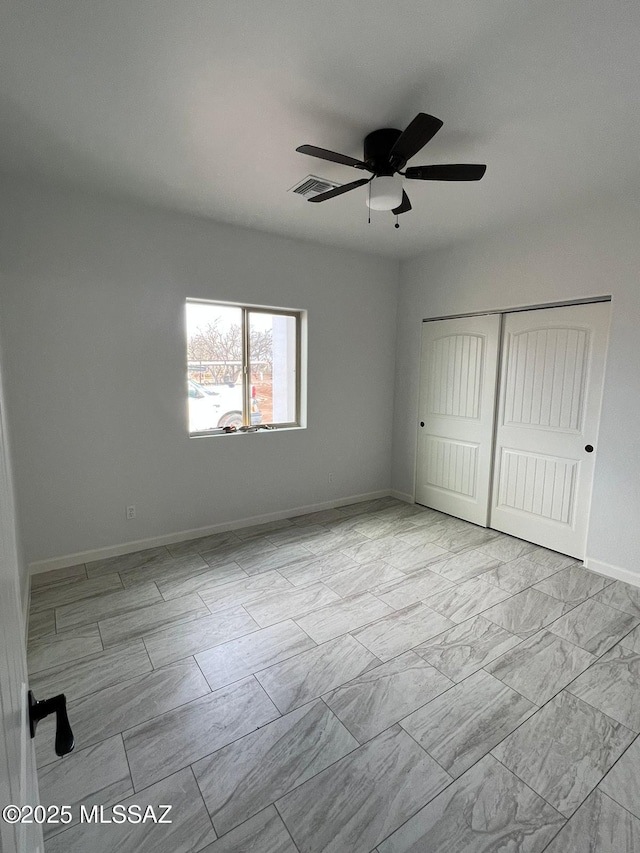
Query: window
243	367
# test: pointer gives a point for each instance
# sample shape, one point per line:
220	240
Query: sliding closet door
546	439
456	414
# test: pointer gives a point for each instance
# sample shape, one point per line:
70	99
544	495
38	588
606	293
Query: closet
508	420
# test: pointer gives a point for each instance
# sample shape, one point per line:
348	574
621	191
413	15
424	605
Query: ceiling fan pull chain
369	205
397	225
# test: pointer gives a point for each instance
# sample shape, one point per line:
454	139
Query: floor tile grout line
375	666
539	708
281	714
204	803
604	713
292	657
599	657
566	686
314	556
208	692
431	799
281	816
432	757
197	662
241	737
287	619
583	800
609	796
612	606
352	752
529	586
146	650
208	754
204	603
126	758
116	800
637	735
309	702
597	788
356	628
380	661
456	779
473	615
359	745
109	649
448	689
101	637
80	602
204	800
555	835
231	640
268	666
547	627
342	723
74	600
526	784
189	618
52	584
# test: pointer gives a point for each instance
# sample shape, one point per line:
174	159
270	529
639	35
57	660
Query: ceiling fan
386	153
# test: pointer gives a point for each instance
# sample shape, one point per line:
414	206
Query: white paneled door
18	781
457	403
547	428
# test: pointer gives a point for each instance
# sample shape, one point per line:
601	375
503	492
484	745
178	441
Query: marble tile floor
376	678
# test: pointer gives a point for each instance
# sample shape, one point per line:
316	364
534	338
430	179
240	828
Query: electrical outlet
331	479
131	512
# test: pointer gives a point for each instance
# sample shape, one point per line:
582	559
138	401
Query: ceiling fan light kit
386	153
385	192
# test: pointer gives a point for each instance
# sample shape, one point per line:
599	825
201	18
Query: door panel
18	781
539	485
545	376
550	396
457	403
452	465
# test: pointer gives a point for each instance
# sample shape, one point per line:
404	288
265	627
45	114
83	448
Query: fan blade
453	172
404	207
333	156
339	190
420	131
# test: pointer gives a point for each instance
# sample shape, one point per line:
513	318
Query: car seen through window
217	406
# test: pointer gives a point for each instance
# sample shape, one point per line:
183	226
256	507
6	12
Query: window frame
245	369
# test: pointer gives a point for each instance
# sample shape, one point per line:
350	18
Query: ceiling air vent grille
312	185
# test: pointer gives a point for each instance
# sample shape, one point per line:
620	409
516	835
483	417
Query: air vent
312	185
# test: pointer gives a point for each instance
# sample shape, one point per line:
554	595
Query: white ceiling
199	106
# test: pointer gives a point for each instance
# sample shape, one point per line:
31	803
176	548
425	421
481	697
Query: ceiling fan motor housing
377	147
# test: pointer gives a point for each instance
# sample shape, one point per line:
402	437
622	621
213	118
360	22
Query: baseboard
402	496
610	571
183	535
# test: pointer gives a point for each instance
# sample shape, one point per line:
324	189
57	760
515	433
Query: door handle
421	423
38	710
589	448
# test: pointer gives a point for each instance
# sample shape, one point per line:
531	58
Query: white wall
585	253
91	313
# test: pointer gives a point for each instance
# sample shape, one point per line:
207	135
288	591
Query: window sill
249	431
